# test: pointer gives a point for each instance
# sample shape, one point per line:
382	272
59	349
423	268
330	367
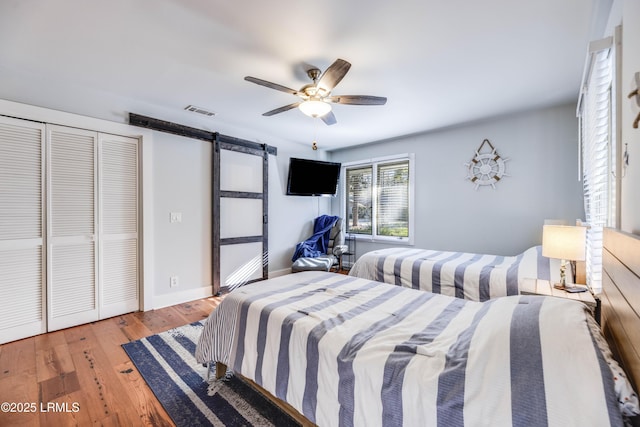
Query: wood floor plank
161	320
51	339
82	346
121	403
197	310
141	397
139	394
53	362
58	386
52	356
20	389
67	410
112	337
133	328
17	357
85	367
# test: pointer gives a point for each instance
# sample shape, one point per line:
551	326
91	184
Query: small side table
544	287
348	258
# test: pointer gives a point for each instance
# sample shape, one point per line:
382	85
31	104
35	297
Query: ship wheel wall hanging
486	168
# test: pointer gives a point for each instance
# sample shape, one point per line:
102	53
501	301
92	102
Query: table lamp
566	243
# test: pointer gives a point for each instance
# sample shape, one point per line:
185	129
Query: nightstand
348	257
544	287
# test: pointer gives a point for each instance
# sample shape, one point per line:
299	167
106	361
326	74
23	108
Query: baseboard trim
166	300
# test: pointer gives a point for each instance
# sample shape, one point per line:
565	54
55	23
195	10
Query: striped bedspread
346	351
476	277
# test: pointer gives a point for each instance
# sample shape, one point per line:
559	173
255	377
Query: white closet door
22	292
118	225
71	232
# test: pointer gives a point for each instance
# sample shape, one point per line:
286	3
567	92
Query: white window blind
596	115
359	200
392	206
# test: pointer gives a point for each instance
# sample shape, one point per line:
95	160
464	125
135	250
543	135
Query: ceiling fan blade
270	85
329	118
333	75
281	109
357	99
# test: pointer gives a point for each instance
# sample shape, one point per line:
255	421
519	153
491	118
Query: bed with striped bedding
346	351
476	277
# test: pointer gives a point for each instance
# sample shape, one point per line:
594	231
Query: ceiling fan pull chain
314	145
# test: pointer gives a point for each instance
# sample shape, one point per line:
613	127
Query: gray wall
542	149
181	183
452	215
541	145
290	217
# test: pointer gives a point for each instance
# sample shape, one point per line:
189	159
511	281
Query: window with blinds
358	200
392	206
378	198
596	114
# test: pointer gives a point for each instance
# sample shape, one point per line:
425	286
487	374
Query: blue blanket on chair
317	244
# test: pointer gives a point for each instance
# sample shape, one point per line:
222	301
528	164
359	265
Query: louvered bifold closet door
22	292
118	225
71	218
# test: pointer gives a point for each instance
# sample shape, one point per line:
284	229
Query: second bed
475	277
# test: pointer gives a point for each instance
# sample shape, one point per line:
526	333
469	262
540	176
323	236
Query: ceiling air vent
199	110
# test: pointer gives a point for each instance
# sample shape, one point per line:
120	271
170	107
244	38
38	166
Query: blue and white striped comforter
476	277
346	351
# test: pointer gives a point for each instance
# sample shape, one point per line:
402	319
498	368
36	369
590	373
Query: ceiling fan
316	98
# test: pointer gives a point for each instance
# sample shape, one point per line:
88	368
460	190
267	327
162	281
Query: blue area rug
166	363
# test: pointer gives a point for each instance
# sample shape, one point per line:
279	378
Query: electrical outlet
174	281
175	217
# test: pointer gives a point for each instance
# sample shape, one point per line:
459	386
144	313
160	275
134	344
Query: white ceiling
438	62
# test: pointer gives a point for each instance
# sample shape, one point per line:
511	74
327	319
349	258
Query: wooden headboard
621	299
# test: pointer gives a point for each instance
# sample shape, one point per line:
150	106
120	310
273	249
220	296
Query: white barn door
240	242
22	292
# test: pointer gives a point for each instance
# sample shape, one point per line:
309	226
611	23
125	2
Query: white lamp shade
564	242
315	108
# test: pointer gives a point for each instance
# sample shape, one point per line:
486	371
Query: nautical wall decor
486	168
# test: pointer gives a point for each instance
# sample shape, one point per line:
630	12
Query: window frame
599	152
374	163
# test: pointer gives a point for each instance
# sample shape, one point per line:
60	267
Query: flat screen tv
312	178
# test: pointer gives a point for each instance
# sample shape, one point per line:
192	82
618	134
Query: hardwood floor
82	376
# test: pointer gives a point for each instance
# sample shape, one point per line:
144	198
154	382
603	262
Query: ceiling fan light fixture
314	108
315	98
